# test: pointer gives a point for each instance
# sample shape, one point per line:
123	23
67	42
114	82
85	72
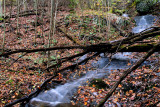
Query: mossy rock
98	83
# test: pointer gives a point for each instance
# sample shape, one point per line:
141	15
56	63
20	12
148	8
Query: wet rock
46	104
99	83
66	105
39	104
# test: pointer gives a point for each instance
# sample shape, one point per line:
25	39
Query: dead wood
24	13
41	88
90	48
137	37
6	54
66	59
102	47
125	74
99	48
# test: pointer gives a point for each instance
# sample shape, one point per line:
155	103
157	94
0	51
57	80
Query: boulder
47	104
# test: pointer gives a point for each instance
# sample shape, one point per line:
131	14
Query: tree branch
125	74
40	89
89	48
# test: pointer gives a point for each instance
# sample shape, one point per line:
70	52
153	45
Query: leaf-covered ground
140	88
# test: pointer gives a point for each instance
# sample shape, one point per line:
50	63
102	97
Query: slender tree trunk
89	4
25	5
4	34
51	30
1	9
36	8
42	15
11	9
18	6
55	17
108	21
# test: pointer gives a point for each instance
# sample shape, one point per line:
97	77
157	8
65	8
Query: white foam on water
143	22
62	93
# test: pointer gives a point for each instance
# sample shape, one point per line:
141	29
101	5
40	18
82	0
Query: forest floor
21	74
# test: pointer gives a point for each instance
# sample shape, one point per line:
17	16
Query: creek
143	22
62	94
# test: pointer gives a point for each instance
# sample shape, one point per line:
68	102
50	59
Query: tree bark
40	89
125	74
102	47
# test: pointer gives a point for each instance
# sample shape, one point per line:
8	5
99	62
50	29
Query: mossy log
139	48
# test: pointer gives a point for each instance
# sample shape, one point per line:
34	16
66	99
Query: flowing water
143	22
63	93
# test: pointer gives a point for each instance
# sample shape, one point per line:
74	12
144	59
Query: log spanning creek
62	94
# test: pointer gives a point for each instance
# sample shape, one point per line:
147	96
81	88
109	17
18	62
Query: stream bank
63	94
72	92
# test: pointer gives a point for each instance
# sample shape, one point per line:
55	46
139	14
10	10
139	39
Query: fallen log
125	74
102	47
21	14
136	37
134	48
6	54
66	59
24	13
40	89
89	48
139	48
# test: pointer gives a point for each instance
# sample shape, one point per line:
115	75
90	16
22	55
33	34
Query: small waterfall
143	22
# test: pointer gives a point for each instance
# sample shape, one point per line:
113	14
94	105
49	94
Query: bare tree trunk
89	4
11	9
36	8
18	6
42	15
1	9
25	5
51	30
108	20
55	17
4	34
